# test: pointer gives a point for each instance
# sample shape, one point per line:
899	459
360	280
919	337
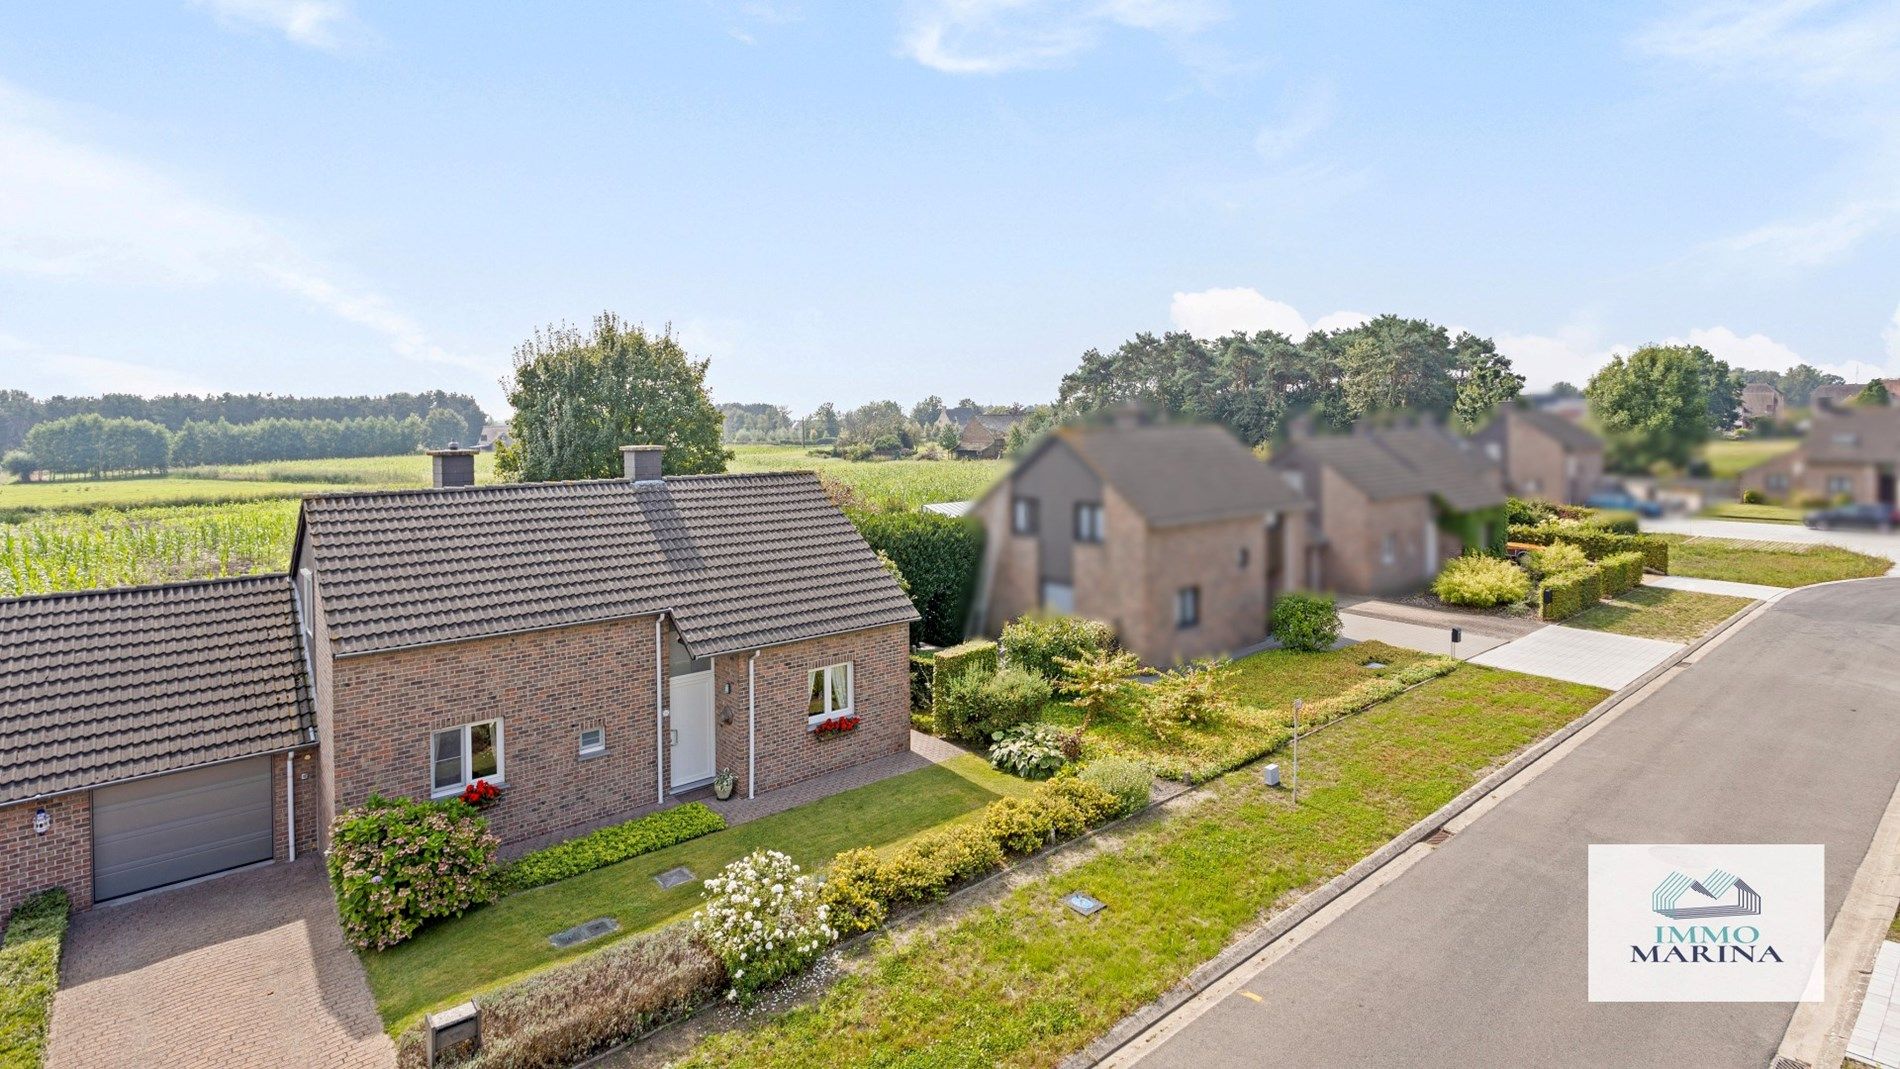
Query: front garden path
1598	658
243	970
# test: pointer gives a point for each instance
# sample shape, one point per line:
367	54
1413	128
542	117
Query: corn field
109	547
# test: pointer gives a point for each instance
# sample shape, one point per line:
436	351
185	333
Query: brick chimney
453	466
642	462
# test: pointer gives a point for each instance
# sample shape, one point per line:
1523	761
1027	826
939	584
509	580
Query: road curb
1212	971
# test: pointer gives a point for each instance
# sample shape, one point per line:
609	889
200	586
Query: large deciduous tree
579	394
1874	393
1654	404
1393	363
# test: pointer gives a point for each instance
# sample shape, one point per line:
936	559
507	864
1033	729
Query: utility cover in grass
672	878
1086	905
581	933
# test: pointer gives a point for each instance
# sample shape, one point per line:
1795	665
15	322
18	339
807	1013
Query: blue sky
852	201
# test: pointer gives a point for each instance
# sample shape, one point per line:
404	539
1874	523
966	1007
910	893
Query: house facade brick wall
1792	478
303	773
1538	465
31	863
787	751
1010	559
1379	547
1233	594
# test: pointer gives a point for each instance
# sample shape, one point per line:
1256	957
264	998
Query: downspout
290	802
659	715
751	723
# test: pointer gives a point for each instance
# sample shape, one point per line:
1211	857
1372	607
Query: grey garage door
156	831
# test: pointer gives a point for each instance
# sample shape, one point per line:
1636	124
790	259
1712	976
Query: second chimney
642	462
453	466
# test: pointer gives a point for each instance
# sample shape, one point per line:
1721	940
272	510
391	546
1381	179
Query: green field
902	483
1727	459
81	550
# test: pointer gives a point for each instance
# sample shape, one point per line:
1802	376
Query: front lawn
1262	690
1652	612
450	960
1025	981
1732	510
1786	565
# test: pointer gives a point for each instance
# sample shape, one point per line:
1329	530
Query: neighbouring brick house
1542	454
1392	504
1761	400
594	648
1176	536
986	434
1850	454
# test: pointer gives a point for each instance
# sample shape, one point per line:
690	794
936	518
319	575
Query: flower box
481	794
837	725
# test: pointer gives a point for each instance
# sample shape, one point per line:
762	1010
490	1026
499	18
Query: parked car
1877	517
1619	499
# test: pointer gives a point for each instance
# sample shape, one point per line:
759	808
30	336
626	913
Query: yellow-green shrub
1481	581
854	891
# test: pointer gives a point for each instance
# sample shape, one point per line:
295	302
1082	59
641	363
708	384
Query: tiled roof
1567	433
107	685
741	561
1182	473
1392	463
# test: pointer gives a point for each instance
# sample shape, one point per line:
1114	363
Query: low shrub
1619	572
1032	751
1615	521
976	655
1569	593
1037	643
974	706
764	920
1527	511
1192	695
1128	780
396	863
1019	825
922	667
1597	543
1306	622
1481	581
29	975
1754	497
609	845
853	892
1100	684
925	867
1554	558
566	1014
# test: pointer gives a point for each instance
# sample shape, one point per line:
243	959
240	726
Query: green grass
1263	690
82	550
1652	612
1790	566
1731	510
903	483
1024	982
1727	459
29	977
224	483
453	959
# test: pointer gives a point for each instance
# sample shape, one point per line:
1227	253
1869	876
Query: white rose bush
764	920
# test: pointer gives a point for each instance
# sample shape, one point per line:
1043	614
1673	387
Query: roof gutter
740	648
25	799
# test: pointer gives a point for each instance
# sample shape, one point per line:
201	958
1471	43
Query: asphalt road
1789	732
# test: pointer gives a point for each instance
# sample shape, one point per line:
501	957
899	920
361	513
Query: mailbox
454	1034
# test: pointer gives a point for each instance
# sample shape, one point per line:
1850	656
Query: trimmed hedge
939	557
1034	642
1305	622
610	845
1570	593
974	706
1615	521
1597	543
978	655
923	667
29	975
1620	572
563	1015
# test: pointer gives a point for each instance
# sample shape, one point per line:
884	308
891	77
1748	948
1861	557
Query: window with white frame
1088	521
1840	484
593	741
1187	606
829	692
1022	512
460	756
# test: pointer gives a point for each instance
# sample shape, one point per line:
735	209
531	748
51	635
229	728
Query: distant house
493	434
1850	454
985	435
1834	394
1392	504
1761	400
957	417
1174	535
1542	455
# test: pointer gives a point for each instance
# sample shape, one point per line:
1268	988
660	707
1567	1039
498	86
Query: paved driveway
1599	658
246	970
1474	957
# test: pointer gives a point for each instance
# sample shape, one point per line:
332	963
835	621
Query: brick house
1176	536
1761	400
593	648
1543	455
986	434
1392	504
1850	454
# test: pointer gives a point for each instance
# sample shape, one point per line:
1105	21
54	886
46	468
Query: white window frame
466	758
1023	518
812	719
1089	523
599	746
1187	597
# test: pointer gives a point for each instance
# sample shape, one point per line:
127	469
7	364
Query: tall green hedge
976	655
1567	594
1621	572
939	556
1596	542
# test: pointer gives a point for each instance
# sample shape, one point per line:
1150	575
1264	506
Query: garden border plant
29	974
610	845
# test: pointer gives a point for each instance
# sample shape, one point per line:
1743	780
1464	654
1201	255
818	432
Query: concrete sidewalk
1757	591
1421	637
1598	658
1876	1038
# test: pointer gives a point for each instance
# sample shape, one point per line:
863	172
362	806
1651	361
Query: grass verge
1024	981
1727	458
1652	612
29	977
1732	510
450	960
1789	566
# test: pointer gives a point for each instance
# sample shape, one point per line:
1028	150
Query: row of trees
20	412
95	445
1798	383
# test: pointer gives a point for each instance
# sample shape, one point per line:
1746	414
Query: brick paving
925	750
245	970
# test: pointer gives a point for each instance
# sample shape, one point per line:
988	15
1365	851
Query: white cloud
1811	43
996	36
41	371
1815	241
70	210
1215	312
323	24
1753	351
1572	354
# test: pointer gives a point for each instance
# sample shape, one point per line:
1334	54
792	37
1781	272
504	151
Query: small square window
593	740
1244	557
1187	606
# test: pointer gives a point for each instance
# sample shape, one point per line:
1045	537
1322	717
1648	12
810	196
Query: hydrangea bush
396	863
764	920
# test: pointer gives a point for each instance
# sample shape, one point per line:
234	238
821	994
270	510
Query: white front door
1058	597
691	717
1431	550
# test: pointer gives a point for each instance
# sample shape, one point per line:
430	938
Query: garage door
168	828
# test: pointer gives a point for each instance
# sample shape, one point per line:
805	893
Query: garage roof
100	686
